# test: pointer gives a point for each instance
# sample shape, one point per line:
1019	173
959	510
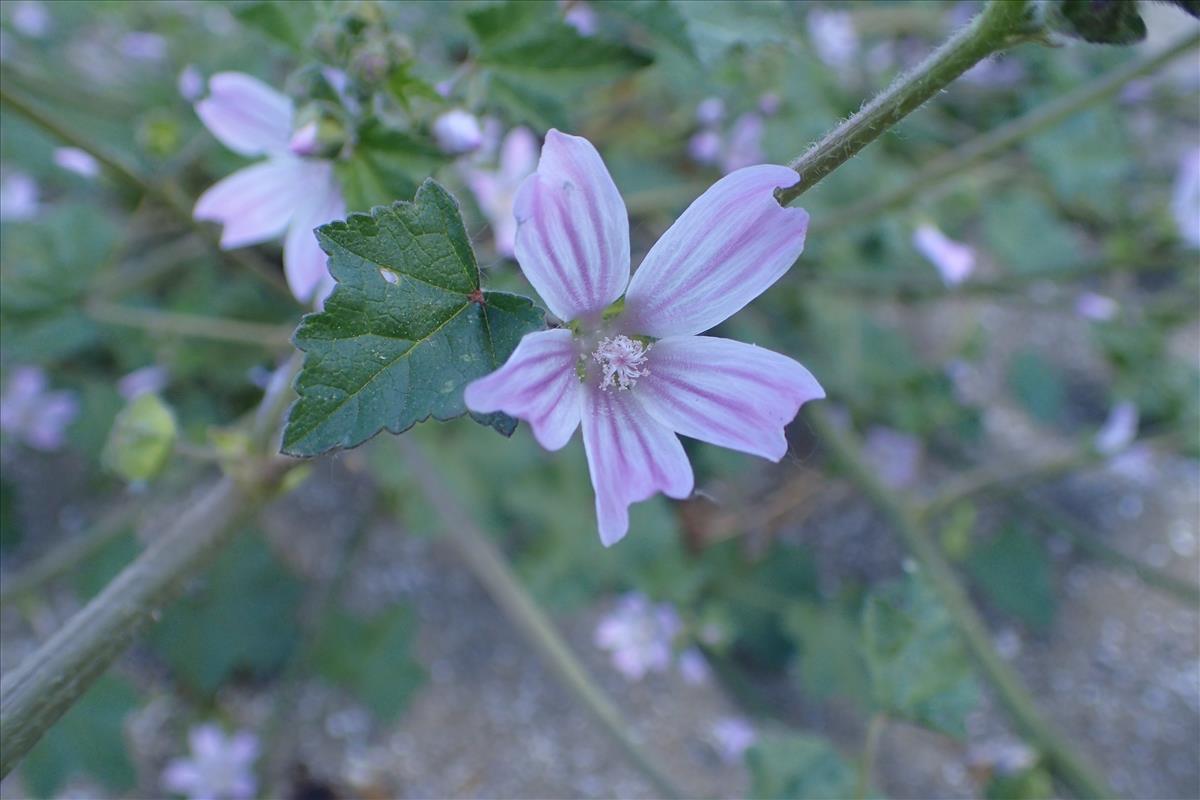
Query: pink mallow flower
495	190
144	380
38	417
636	376
1119	430
219	767
639	636
1096	307
745	143
955	261
732	737
285	193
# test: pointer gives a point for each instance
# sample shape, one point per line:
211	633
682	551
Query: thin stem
492	570
192	325
870	748
993	142
169	195
35	694
70	553
1001	24
1083	778
1054	520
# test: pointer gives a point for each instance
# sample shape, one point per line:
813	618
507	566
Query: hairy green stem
491	569
1071	767
192	325
169	195
1001	24
40	690
993	142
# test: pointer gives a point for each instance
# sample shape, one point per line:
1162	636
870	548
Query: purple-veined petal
572	229
249	117
304	262
537	384
631	456
727	393
255	203
731	244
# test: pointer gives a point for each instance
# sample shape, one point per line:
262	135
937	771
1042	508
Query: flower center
623	361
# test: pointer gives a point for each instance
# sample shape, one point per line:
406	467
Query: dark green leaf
1014	572
525	104
287	23
799	767
10	521
386	166
240	621
389	355
560	49
830	661
659	18
1097	21
371	658
1038	386
88	741
504	23
919	668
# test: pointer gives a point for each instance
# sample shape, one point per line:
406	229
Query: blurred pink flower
634	379
143	46
190	83
18	196
78	161
457	132
954	260
1119	430
1096	307
732	737
38	417
705	147
1185	202
710	111
894	455
693	667
286	192
638	635
145	380
745	143
769	104
219	767
495	190
30	18
580	16
833	36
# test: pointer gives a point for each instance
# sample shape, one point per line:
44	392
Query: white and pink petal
572	229
255	203
631	457
726	393
247	115
727	248
538	384
304	262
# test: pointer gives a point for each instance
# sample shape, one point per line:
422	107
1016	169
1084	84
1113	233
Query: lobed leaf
406	328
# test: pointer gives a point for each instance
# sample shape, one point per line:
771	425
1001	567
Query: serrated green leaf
386	165
141	439
918	666
797	766
559	49
241	620
371	658
830	661
659	18
1013	570
89	741
389	355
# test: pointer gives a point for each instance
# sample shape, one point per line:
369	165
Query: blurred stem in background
1082	777
491	569
167	193
272	337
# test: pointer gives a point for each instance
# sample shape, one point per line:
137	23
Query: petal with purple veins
727	393
304	262
255	204
247	115
731	244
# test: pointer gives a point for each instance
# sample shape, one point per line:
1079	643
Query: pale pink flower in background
495	190
457	132
833	36
78	161
633	380
190	83
710	111
705	147
37	417
693	667
732	737
894	455
285	193
1096	307
639	636
143	46
955	261
30	18
145	380
745	143
769	104
580	16
1185	202
1119	430
1003	756
18	197
219	767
